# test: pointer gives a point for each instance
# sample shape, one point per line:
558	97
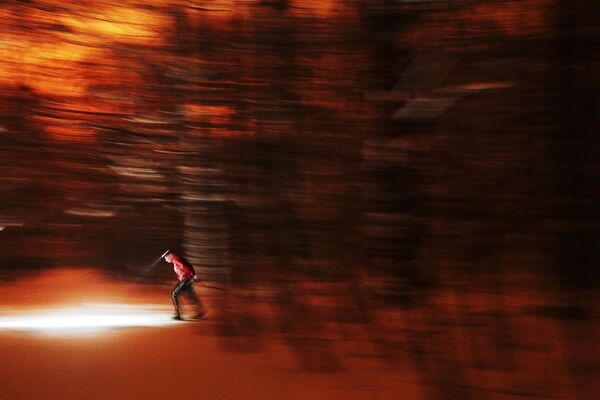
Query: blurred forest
404	180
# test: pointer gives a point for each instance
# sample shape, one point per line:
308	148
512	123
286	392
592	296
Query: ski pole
198	280
156	261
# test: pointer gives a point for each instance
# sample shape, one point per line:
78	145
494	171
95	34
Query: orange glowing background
82	55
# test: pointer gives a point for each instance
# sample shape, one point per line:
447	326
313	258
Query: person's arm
188	266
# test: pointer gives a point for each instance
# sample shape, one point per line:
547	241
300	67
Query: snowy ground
75	334
80	334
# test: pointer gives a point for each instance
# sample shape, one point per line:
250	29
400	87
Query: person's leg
196	300
175	297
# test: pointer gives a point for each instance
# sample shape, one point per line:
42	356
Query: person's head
168	256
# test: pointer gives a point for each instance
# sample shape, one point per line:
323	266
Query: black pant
185	286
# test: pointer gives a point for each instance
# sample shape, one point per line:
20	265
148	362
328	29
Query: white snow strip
87	319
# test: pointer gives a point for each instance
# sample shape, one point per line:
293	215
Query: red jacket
182	269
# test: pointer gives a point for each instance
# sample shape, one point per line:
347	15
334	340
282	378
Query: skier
187	276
